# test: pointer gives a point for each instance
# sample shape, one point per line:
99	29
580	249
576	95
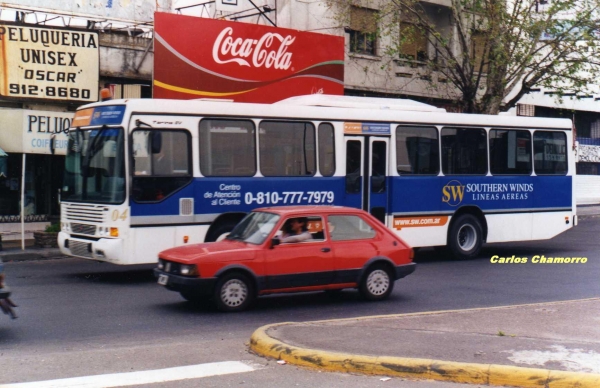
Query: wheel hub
378	282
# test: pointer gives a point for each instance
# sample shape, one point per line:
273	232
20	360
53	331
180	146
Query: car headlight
161	264
188	270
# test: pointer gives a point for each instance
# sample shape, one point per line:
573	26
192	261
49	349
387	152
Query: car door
301	264
354	242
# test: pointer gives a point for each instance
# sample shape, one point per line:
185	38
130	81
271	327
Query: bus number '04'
119	216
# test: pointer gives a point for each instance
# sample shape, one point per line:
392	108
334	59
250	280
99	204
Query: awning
3	164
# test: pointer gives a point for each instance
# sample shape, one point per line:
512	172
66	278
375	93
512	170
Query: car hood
220	249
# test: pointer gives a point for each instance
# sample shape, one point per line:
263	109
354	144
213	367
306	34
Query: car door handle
325	249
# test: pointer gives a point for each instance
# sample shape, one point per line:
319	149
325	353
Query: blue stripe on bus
406	194
448	193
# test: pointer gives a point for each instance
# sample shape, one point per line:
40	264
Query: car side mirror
275	241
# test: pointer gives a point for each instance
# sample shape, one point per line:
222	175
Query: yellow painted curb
458	372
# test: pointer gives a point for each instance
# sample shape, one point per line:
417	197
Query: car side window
349	227
301	229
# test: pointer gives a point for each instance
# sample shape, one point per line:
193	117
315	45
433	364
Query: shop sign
125	10
44	132
49	64
208	58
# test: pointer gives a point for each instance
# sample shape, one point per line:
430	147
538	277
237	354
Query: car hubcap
378	282
234	292
467	237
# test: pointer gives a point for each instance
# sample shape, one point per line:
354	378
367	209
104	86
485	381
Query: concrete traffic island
485	346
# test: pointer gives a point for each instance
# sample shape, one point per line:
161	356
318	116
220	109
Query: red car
289	249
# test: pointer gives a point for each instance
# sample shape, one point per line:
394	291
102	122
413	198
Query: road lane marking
141	377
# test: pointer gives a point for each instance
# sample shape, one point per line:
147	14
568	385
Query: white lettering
261	50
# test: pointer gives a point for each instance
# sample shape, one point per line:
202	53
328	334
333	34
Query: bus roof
325	100
311	108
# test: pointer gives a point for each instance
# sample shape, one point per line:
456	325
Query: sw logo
453	193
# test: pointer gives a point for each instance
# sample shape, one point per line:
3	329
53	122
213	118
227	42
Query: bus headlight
188	270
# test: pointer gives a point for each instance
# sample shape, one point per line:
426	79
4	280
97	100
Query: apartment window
413	42
363	30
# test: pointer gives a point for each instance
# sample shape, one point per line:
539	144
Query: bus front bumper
102	249
199	286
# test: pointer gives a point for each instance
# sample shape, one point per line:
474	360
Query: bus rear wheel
466	237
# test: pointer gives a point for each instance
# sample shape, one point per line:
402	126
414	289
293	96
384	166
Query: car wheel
466	237
377	283
234	292
220	232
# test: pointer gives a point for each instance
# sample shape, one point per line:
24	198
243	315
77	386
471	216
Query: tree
491	51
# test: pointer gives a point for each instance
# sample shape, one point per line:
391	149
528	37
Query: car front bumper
200	286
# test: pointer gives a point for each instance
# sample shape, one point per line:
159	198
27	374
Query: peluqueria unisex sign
48	63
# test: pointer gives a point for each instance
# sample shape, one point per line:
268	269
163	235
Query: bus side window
156	175
464	151
227	147
287	148
417	150
550	153
326	149
510	152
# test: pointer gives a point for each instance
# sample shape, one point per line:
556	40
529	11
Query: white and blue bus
144	175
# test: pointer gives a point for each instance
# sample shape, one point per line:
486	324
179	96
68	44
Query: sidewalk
11	251
537	345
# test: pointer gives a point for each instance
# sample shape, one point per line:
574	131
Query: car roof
309	210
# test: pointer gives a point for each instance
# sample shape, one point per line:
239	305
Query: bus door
366	174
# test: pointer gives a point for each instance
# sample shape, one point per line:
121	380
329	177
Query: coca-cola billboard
207	58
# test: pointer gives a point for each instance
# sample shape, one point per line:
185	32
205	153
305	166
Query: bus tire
377	283
466	237
234	292
220	232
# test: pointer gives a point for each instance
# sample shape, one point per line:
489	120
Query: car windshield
254	228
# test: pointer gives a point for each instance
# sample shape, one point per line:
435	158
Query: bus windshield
95	166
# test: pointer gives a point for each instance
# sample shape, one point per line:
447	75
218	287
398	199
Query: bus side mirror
156	140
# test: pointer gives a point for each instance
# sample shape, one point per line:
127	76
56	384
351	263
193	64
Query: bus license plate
163	279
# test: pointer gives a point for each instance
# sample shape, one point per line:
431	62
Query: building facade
47	73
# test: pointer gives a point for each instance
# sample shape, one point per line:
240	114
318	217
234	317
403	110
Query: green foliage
53	228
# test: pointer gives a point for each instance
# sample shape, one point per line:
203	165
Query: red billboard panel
207	58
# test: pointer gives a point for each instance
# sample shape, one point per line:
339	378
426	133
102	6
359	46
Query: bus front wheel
466	237
220	232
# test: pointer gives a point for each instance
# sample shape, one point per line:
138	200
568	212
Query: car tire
377	283
234	292
465	238
220	232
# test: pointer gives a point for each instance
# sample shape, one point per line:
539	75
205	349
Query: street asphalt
536	345
553	344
